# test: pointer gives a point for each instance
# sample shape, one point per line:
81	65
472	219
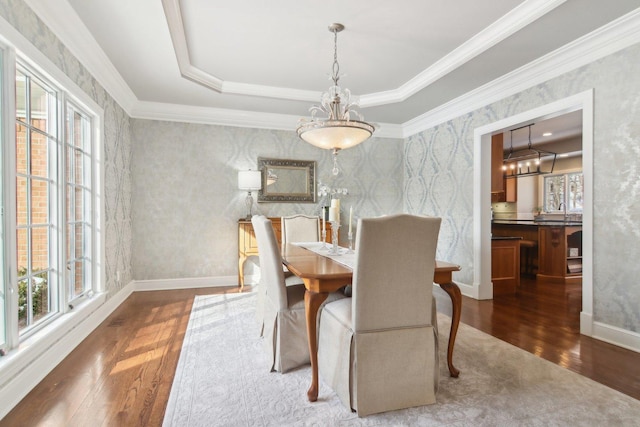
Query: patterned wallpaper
186	202
116	141
439	169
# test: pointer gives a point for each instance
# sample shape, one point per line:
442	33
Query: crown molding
65	23
175	23
610	38
515	20
236	118
508	24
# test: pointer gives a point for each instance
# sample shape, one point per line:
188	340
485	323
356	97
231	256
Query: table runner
348	260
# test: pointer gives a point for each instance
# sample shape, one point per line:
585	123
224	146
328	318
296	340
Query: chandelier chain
336	66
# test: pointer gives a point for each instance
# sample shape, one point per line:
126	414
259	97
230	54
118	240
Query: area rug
223	379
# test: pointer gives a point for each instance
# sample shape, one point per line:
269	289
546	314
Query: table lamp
249	181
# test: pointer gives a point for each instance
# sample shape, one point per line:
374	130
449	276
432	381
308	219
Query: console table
248	246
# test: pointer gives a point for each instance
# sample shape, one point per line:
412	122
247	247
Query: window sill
34	347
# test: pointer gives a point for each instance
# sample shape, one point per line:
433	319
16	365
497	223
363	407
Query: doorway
482	287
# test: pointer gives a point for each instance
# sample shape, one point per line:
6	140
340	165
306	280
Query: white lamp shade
249	180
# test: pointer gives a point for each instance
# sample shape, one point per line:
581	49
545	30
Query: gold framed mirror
285	180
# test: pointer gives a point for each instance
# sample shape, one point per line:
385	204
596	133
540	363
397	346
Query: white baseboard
193	282
617	336
586	324
23	368
467	290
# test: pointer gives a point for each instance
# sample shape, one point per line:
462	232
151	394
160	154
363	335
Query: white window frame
95	296
56	199
543	192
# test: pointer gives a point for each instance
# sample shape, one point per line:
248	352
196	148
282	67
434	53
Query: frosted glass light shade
249	180
335	134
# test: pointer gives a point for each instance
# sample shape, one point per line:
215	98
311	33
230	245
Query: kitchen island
505	264
559	255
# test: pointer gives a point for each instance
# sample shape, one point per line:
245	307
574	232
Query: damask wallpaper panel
186	203
116	142
439	167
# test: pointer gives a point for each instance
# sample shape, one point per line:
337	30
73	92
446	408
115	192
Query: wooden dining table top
307	263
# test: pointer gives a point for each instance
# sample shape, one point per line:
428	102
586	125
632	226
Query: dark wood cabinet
560	253
505	265
502	189
497	175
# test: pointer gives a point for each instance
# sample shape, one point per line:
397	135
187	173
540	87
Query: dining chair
289	278
285	327
300	228
378	350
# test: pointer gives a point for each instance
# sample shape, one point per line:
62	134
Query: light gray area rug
223	379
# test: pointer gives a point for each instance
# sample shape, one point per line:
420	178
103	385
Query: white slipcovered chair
289	278
285	328
379	350
300	228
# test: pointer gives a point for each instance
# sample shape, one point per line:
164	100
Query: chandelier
337	131
527	161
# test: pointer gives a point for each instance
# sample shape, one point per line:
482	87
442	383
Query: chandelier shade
335	134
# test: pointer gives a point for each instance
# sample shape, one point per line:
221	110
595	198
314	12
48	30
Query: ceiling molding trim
272	92
610	38
175	23
236	118
173	14
65	23
508	24
513	21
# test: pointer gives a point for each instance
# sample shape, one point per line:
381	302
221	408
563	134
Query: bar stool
529	249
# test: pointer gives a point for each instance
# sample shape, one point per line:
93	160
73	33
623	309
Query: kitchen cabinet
560	254
505	265
497	175
502	189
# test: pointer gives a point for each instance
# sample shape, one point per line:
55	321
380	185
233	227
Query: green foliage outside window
40	295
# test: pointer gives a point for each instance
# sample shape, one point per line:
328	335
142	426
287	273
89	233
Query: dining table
323	274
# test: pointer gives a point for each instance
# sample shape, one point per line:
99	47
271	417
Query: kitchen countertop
545	223
505	238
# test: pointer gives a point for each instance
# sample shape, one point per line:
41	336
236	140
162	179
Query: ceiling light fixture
337	131
527	161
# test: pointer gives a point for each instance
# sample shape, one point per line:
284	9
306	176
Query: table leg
241	262
452	289
312	302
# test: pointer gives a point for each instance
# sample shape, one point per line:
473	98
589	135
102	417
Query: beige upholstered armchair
378	349
300	228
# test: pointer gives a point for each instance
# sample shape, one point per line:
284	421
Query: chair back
300	228
272	275
393	275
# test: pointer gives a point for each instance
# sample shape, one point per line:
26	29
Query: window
36	156
54	217
78	202
564	193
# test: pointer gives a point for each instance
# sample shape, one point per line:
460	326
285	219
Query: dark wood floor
121	374
544	319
